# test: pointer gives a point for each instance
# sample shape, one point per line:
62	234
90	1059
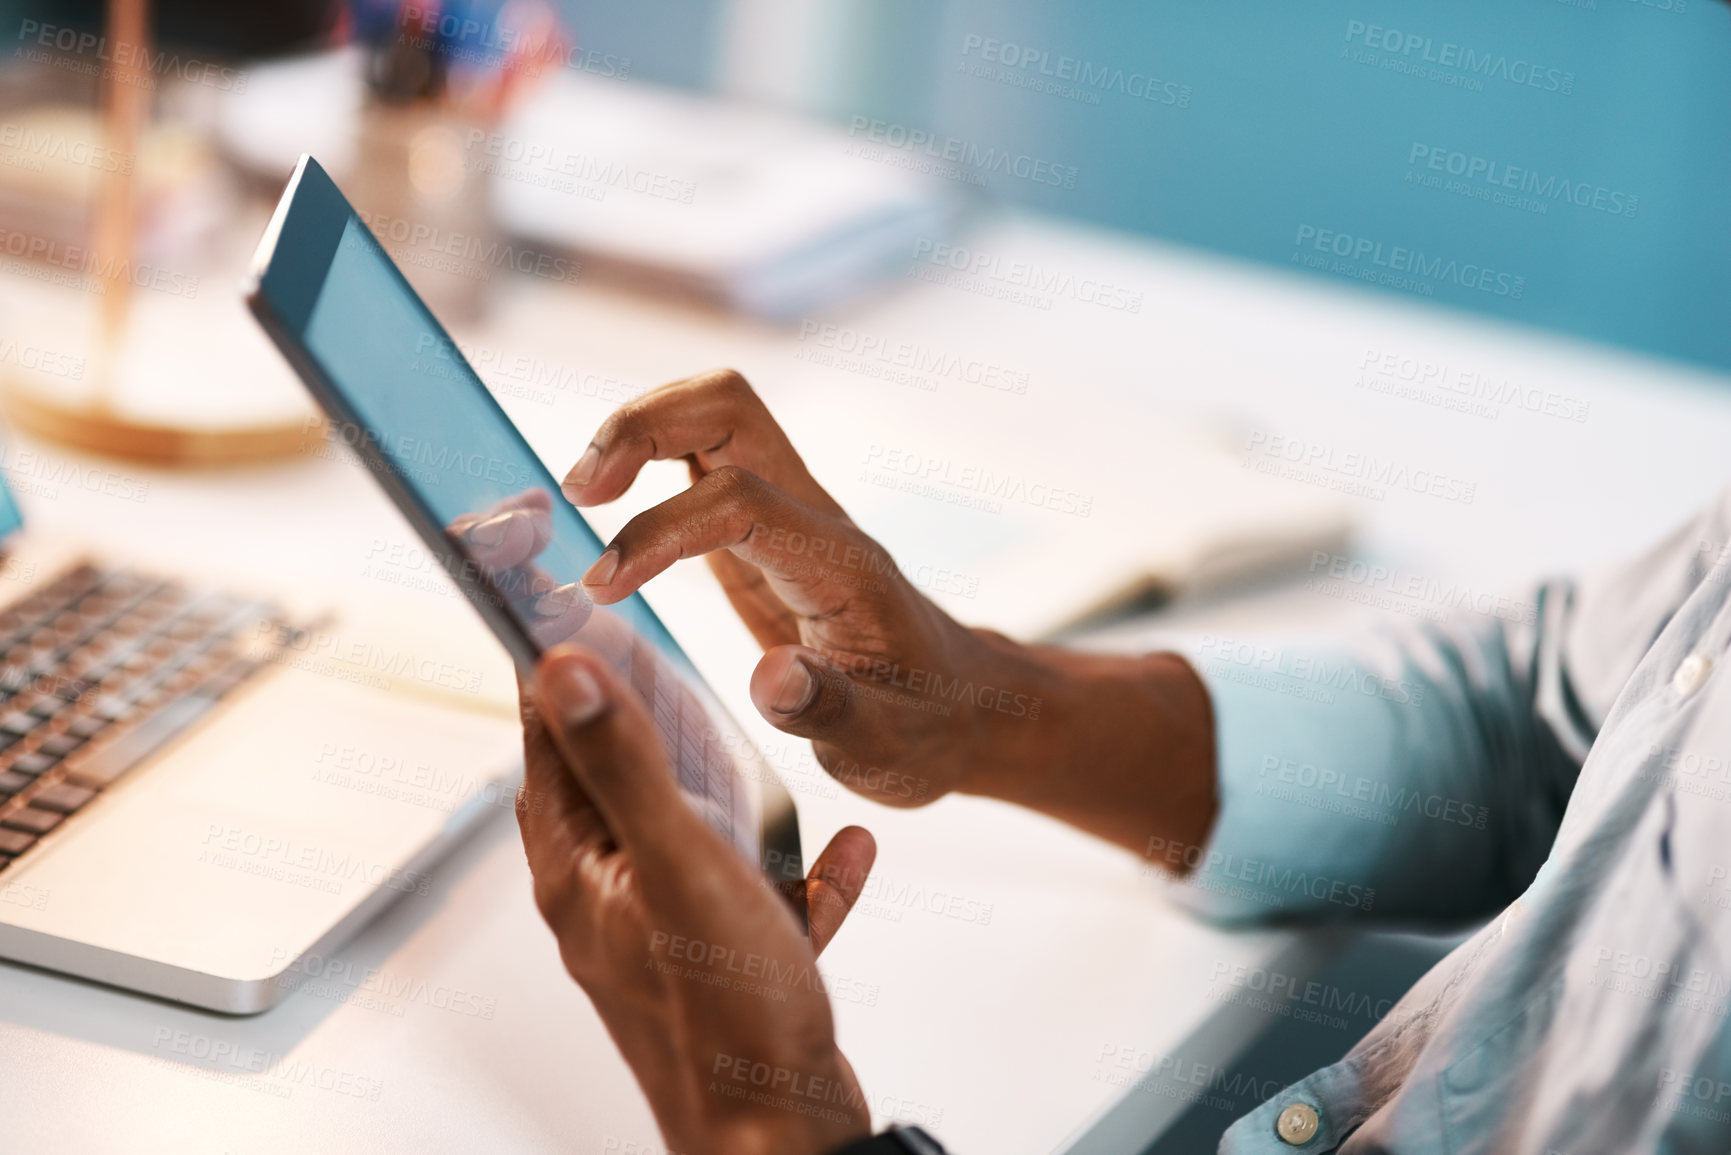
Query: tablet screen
425	410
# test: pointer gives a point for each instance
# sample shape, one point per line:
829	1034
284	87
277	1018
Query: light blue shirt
1563	764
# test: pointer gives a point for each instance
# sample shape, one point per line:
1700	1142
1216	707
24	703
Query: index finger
714	419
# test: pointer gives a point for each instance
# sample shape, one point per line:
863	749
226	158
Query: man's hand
697	967
901	703
887	686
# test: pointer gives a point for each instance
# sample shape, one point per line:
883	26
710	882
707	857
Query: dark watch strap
898	1140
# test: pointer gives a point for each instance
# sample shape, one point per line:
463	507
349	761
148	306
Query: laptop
200	785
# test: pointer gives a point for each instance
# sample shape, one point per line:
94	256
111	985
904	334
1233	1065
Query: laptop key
60	745
71	691
32	821
20	723
63	798
34	764
12	782
87	727
112	708
15	841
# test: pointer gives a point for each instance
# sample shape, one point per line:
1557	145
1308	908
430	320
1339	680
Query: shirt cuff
1289	838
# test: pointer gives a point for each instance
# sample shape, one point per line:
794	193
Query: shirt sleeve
1419	769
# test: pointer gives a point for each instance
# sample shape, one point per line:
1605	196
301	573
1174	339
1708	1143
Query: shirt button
1691	673
1297	1124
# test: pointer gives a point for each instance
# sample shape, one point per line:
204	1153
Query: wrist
1121	746
763	1136
777	1129
1005	728
801	1107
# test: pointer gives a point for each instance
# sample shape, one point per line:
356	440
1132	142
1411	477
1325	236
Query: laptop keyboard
98	668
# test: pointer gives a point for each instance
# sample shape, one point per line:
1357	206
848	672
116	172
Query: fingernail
603	570
798	688
573	693
490	532
584	471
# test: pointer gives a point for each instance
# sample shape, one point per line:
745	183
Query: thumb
798	690
801	692
836	881
607	738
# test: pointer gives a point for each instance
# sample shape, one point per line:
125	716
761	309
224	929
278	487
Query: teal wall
1287	126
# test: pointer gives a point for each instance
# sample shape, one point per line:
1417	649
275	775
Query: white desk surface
989	1032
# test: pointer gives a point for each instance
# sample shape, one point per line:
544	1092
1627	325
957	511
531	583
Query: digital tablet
398	392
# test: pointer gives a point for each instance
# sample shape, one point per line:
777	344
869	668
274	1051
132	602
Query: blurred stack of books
764	213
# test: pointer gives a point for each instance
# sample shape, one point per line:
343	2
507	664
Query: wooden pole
126	88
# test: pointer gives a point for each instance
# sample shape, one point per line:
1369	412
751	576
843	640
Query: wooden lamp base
98	429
